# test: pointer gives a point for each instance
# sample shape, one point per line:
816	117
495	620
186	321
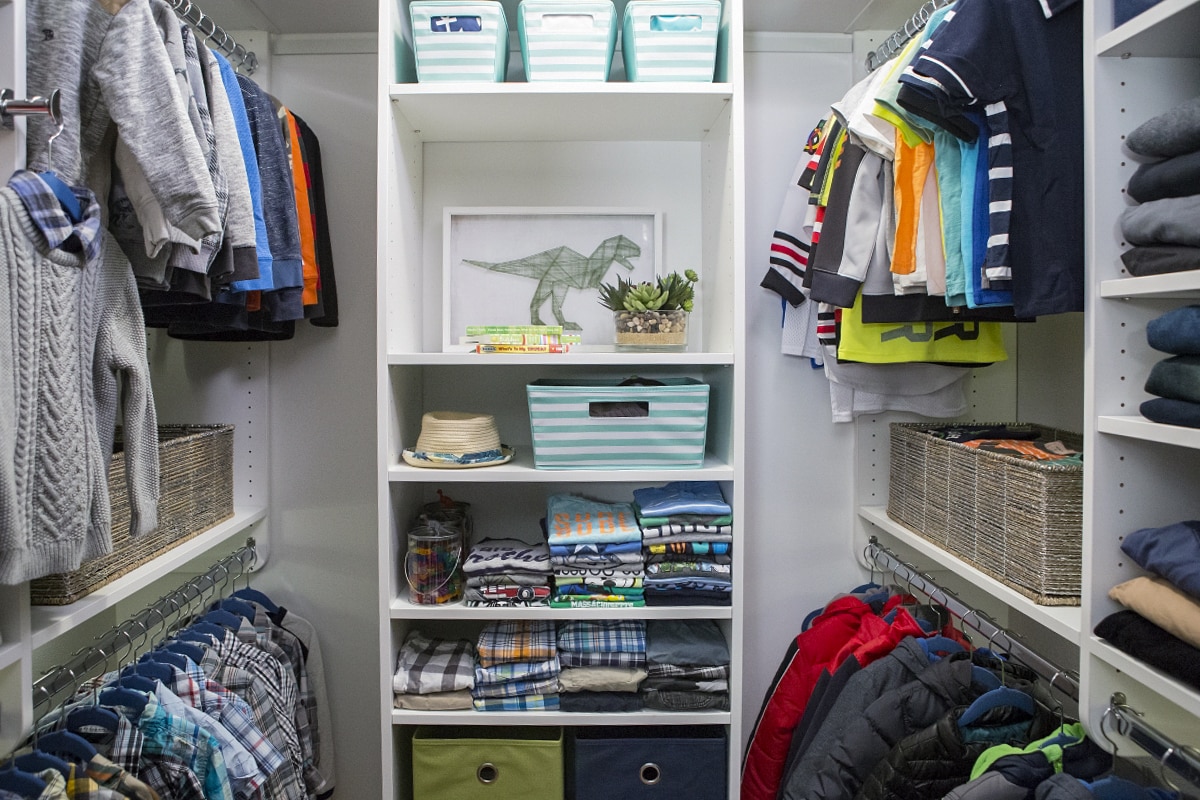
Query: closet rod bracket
11	107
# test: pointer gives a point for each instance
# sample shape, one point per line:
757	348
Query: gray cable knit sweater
72	355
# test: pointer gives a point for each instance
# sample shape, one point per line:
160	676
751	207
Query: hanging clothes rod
150	625
214	35
11	107
911	27
1131	723
885	561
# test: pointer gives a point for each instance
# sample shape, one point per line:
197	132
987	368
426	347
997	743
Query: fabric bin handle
650	773
487	772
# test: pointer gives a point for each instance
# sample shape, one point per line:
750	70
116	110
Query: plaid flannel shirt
110	775
56	784
425	665
285	783
47	214
245	777
516	640
306	708
231	711
615	659
603	636
173	737
709	673
518	671
528	702
80	786
517	688
167	775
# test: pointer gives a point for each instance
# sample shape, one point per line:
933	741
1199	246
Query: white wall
799	465
323	433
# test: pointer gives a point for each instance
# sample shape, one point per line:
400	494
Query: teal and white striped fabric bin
567	40
598	424
670	40
459	41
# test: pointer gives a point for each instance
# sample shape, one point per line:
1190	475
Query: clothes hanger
185	648
138	683
200	630
18	781
164	656
66	197
39	760
91	716
239	607
150	669
255	596
1003	697
222	618
66	743
121	697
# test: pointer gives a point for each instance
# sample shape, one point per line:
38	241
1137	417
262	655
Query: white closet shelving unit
194	384
1139	473
664	146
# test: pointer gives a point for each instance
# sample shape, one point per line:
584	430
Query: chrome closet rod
136	630
886	561
1131	723
215	35
911	27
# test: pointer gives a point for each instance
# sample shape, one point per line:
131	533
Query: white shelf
9	653
589	355
1167	29
48	622
1064	621
402	609
1182	285
643	717
1142	428
521	470
577	112
1184	696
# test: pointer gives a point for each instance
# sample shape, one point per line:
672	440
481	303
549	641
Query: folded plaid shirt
509	640
518	671
529	702
632	660
603	636
713	673
425	665
516	688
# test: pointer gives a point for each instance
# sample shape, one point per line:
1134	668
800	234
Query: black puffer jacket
907	709
938	759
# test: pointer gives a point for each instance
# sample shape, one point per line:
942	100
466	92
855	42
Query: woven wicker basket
1019	521
195	493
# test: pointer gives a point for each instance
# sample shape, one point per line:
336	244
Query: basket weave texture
1019	521
195	493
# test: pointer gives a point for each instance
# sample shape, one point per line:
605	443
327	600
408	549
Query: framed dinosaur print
542	266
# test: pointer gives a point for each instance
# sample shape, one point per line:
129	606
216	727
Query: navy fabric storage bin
632	763
1125	10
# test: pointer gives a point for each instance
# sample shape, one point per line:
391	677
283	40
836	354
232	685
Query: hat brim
420	458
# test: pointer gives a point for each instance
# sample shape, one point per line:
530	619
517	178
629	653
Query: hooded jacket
939	758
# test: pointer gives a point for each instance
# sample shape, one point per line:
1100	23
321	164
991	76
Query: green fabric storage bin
471	762
567	40
605	424
670	40
459	40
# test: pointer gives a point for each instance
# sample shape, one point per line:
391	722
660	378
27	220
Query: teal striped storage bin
670	40
459	41
598	424
567	40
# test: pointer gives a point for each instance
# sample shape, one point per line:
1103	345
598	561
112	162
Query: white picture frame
473	294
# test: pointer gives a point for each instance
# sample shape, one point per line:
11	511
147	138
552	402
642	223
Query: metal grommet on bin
650	773
487	772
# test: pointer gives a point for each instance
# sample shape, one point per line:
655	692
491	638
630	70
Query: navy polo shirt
1028	55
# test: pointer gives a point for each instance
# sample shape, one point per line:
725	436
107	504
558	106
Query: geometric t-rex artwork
560	268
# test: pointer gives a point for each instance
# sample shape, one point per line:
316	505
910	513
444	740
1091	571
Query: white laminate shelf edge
9	653
581	356
48	622
402	609
521	470
1142	428
643	717
1182	285
1186	697
549	112
1166	29
1064	621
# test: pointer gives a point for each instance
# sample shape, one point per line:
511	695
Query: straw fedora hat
456	440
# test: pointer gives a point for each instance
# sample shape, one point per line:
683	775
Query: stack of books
519	339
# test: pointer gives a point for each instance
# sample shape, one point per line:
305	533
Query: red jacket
847	627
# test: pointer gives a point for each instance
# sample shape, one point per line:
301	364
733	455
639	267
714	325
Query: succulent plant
668	293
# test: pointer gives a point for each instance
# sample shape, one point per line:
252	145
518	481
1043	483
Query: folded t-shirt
1163	604
1160	259
1170	551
